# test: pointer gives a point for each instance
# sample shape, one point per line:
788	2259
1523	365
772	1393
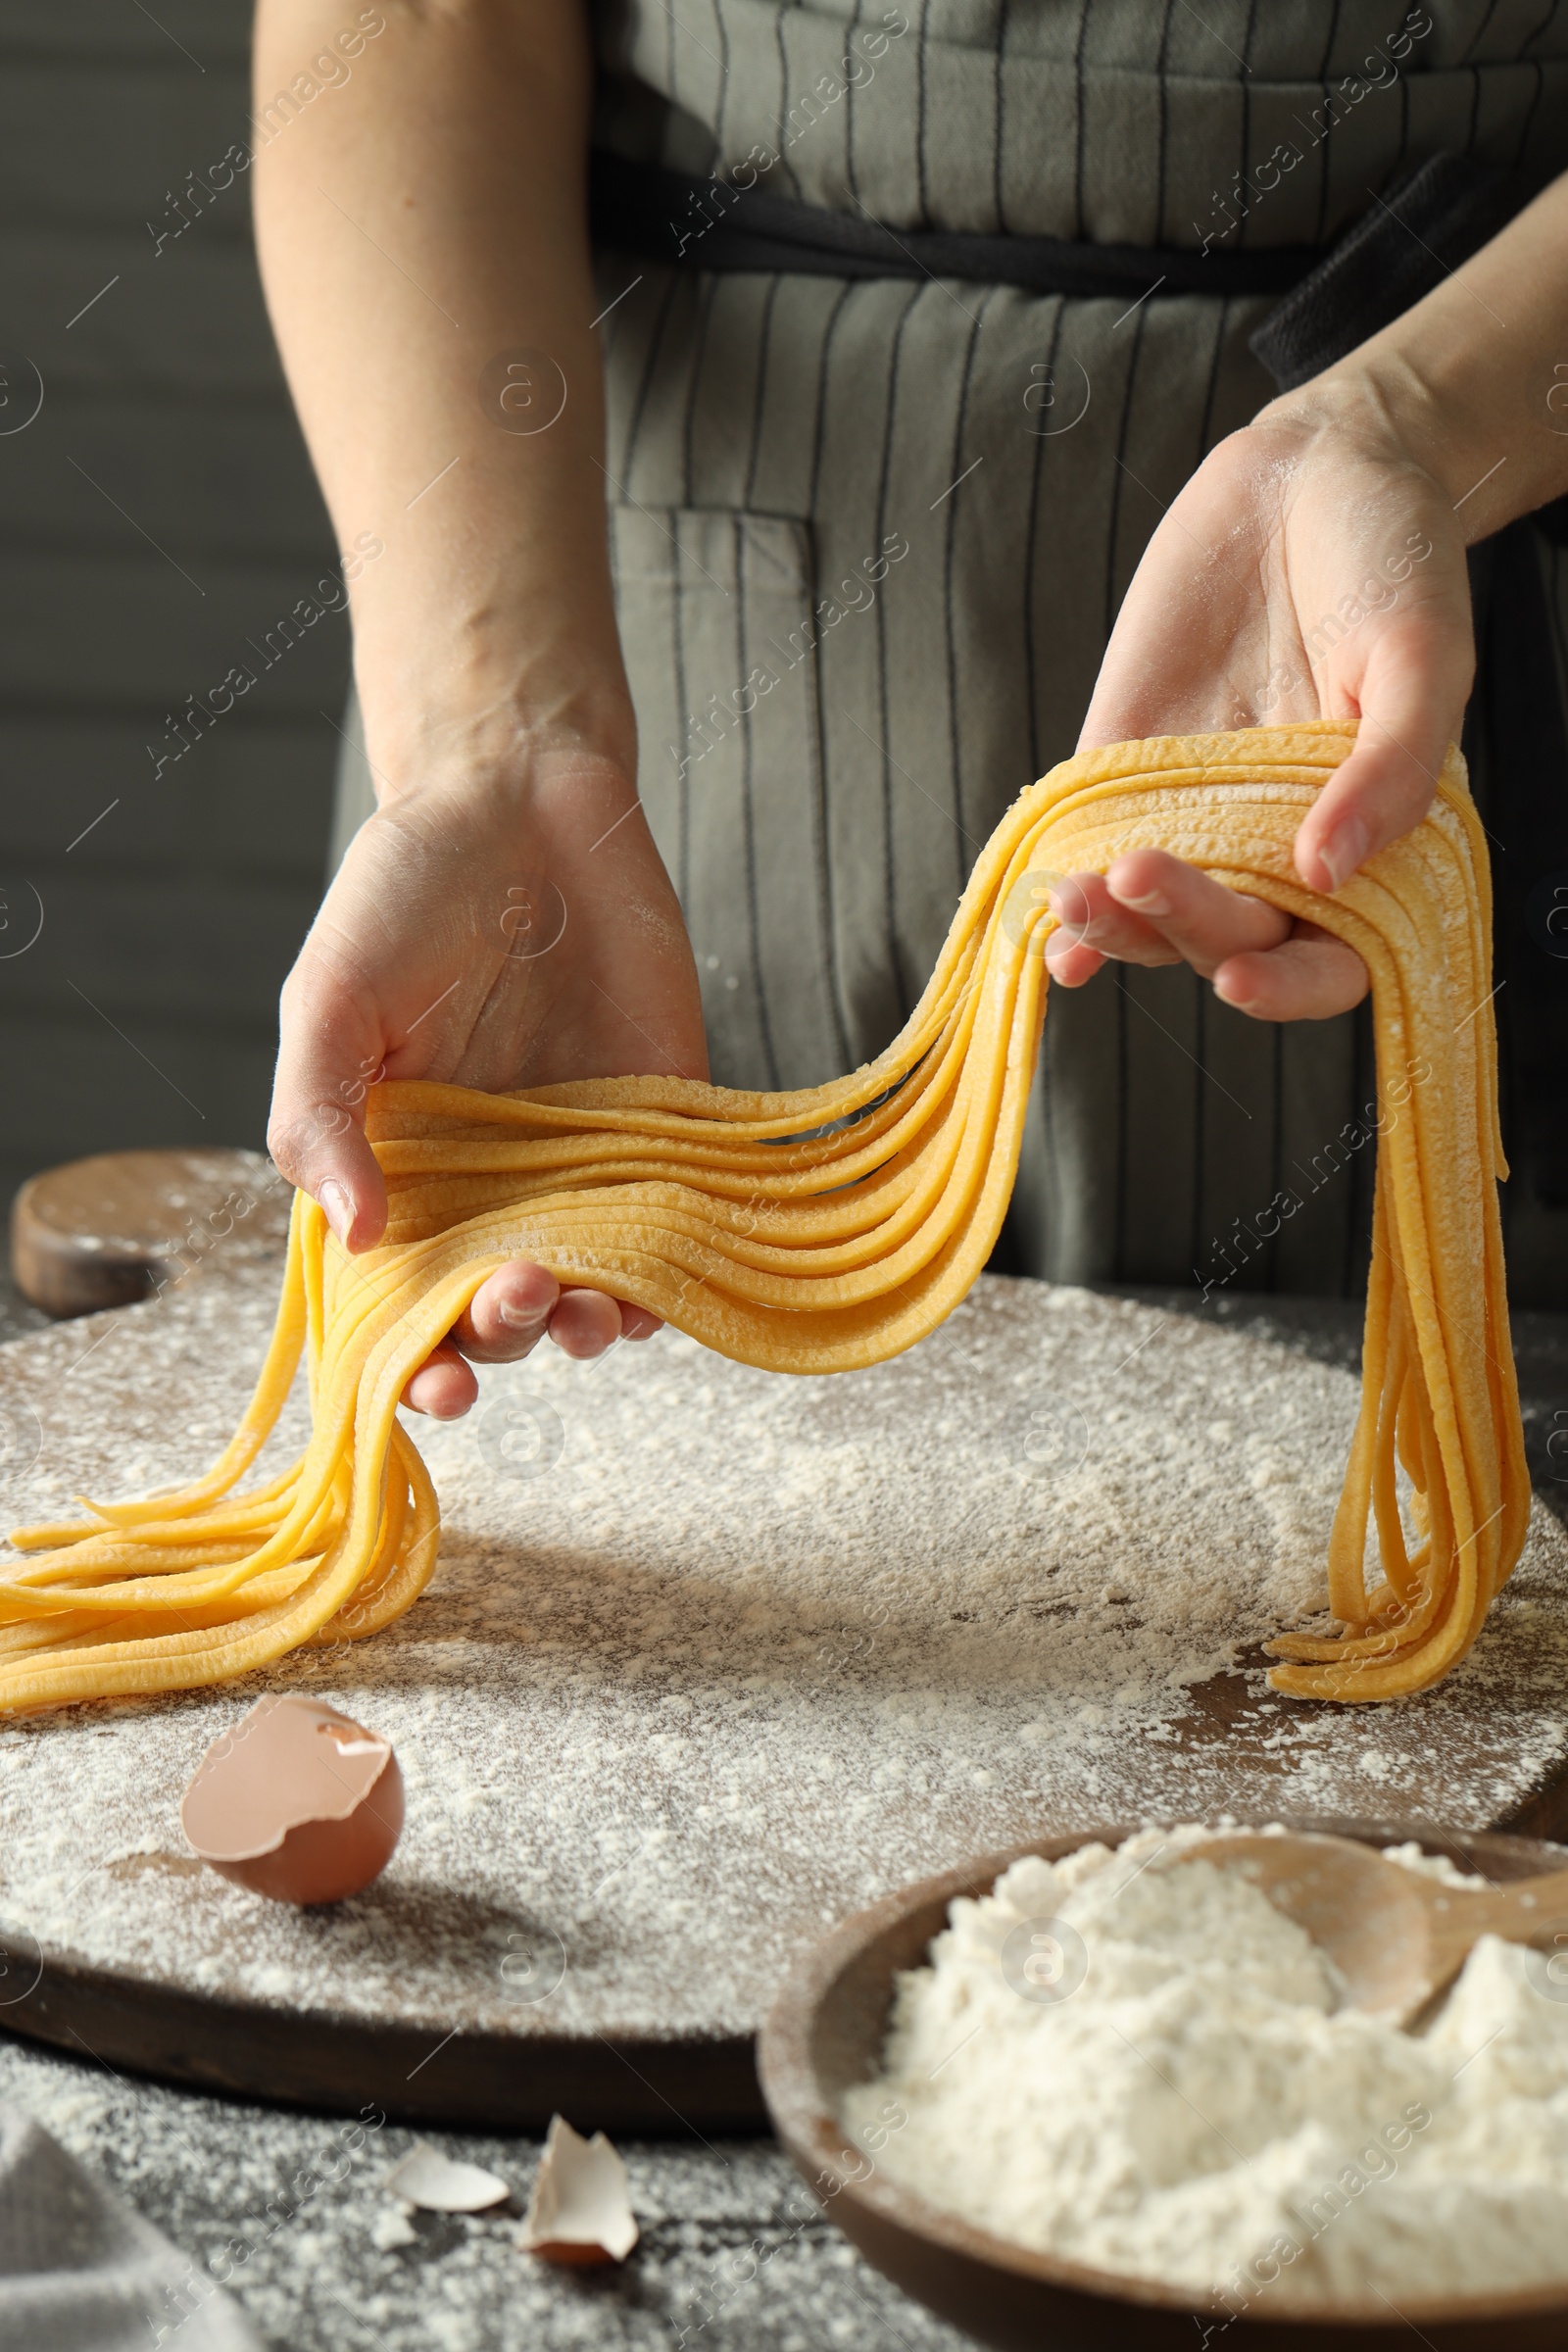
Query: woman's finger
508	1314
329	1057
585	1323
1067	959
507	1318
1153	908
1308	977
1090	917
511	1310
1413	701
1068	962
443	1386
1199	918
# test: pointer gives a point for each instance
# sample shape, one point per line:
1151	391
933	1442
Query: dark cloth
1412	237
80	2271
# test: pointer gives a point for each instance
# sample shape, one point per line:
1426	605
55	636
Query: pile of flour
1142	2068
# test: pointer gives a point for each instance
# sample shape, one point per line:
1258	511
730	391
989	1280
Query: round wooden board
712	1658
104	1231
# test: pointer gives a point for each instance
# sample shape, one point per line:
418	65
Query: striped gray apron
870	535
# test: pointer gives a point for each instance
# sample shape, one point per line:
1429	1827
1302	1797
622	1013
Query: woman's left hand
1311	569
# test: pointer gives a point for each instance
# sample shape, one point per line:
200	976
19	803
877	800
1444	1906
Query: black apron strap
713	224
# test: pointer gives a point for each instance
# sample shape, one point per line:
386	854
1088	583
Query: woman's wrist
1469	385
1385	412
495	740
1483	476
487	639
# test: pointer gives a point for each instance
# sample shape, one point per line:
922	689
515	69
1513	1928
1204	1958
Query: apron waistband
1423	227
711	225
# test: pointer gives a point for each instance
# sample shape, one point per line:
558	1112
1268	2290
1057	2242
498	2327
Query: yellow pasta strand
826	1230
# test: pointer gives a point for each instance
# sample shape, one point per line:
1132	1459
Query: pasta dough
825	1230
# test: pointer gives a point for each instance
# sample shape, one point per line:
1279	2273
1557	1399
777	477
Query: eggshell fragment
580	2209
437	2183
298	1802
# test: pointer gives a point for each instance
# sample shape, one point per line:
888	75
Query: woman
879	536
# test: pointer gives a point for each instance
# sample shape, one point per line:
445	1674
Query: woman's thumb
315	1134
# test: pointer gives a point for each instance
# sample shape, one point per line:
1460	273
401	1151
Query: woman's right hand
508	932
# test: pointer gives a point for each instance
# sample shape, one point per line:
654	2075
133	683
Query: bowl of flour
1089	2092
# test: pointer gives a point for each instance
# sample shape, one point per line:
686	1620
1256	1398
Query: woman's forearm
1473	378
417	224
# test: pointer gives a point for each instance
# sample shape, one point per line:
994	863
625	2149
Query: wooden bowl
826	2032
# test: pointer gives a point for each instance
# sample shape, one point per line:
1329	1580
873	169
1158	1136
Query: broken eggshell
438	2184
580	2209
297	1802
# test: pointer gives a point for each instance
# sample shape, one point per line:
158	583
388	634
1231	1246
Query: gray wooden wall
157	514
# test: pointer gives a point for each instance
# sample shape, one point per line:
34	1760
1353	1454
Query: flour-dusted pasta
826	1230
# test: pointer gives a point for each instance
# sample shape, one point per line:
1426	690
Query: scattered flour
714	1656
1196	2110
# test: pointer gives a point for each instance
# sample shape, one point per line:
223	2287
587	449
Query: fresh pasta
825	1230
